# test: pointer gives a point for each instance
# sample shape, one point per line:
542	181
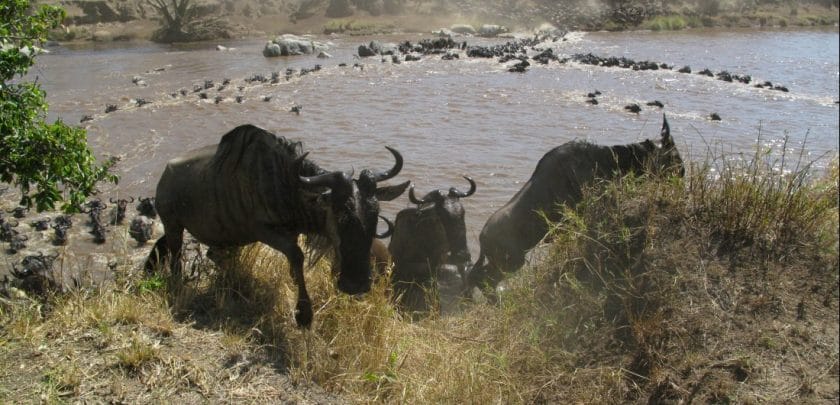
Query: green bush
48	162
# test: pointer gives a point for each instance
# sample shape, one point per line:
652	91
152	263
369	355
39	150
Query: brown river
448	118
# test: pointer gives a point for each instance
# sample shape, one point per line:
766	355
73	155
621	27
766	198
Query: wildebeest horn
329	180
667	140
413	198
381	176
454	192
387	233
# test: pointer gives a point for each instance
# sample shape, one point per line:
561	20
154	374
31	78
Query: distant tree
184	20
48	163
175	15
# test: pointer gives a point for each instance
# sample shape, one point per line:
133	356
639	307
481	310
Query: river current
448	118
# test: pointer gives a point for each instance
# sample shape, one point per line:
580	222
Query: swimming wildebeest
426	238
257	187
558	179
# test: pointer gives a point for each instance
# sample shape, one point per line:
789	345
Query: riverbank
134	20
701	289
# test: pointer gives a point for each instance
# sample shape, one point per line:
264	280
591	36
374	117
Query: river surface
449	118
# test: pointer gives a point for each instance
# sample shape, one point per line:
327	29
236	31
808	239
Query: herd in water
446	263
517	55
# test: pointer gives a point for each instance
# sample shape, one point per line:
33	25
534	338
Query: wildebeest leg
174	239
168	247
159	251
221	256
287	244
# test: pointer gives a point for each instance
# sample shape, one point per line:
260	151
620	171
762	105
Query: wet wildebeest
36	274
60	225
141	228
7	231
41	224
146	207
19	212
120	205
257	187
17	243
558	179
633	108
94	210
426	238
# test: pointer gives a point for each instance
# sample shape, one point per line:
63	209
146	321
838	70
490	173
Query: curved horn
413	198
112	201
381	176
329	180
667	140
387	233
131	199
454	192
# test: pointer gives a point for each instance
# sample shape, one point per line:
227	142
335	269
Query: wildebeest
146	207
36	275
558	179
257	187
120	205
425	238
141	228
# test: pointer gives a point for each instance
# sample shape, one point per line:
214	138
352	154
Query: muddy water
448	118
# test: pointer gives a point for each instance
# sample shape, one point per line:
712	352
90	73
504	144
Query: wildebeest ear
667	140
388	193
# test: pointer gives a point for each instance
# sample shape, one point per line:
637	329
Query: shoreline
269	26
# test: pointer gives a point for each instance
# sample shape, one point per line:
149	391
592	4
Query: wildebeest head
665	158
450	212
147	207
352	211
121	206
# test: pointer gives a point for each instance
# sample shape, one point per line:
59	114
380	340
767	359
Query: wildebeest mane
232	156
234	144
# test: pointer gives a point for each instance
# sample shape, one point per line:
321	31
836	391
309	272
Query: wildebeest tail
159	251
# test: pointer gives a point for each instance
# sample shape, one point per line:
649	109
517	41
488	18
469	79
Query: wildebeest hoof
303	314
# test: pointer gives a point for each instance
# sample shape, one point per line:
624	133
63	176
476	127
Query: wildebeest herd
256	186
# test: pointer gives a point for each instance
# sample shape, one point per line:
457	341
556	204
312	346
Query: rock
377	48
492	30
464	29
444	32
324	55
290	45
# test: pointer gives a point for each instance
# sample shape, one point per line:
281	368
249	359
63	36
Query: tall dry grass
651	289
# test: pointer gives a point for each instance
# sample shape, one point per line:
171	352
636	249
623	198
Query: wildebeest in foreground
559	178
257	187
429	248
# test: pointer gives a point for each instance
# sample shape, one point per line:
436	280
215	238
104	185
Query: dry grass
719	287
